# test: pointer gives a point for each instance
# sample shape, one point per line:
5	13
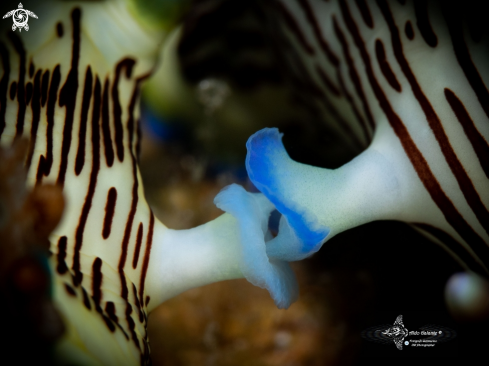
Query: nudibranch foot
269	168
252	212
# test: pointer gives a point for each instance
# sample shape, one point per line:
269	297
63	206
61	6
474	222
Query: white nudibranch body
71	87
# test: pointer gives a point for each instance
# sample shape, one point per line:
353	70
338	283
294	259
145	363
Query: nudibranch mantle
71	87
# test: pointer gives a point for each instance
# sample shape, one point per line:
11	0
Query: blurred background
221	79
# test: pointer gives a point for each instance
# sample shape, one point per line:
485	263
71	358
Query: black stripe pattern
80	126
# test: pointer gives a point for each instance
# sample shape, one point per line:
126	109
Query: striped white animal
404	84
71	86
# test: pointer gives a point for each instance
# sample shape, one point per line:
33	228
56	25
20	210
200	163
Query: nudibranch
70	85
403	83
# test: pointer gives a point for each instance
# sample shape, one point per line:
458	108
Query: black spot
59	29
408	29
70	290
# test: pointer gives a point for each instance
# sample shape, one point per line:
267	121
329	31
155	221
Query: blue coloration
268	163
160	128
252	211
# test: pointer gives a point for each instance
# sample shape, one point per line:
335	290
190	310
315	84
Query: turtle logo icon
397	332
20	17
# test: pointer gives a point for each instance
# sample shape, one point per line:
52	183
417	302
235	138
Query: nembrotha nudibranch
404	83
70	85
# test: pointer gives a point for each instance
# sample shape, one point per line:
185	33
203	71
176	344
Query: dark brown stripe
132	325
86	299
137	249
127	233
147	255
419	163
47	162
67	96
19	48
385	67
327	81
109	212
108	323
408	29
59	29
455	247
40	169
13	90
28	93
128	229
44	88
36	115
4	86
146	302
61	267
93	179
306	7
109	151
74	281
130	219
97	279
365	11
126	64
130	121
132	212
138	304
478	142
70	290
423	22
354	76
110	310
295	29
82	132
145	314
465	61
464	182
31	69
